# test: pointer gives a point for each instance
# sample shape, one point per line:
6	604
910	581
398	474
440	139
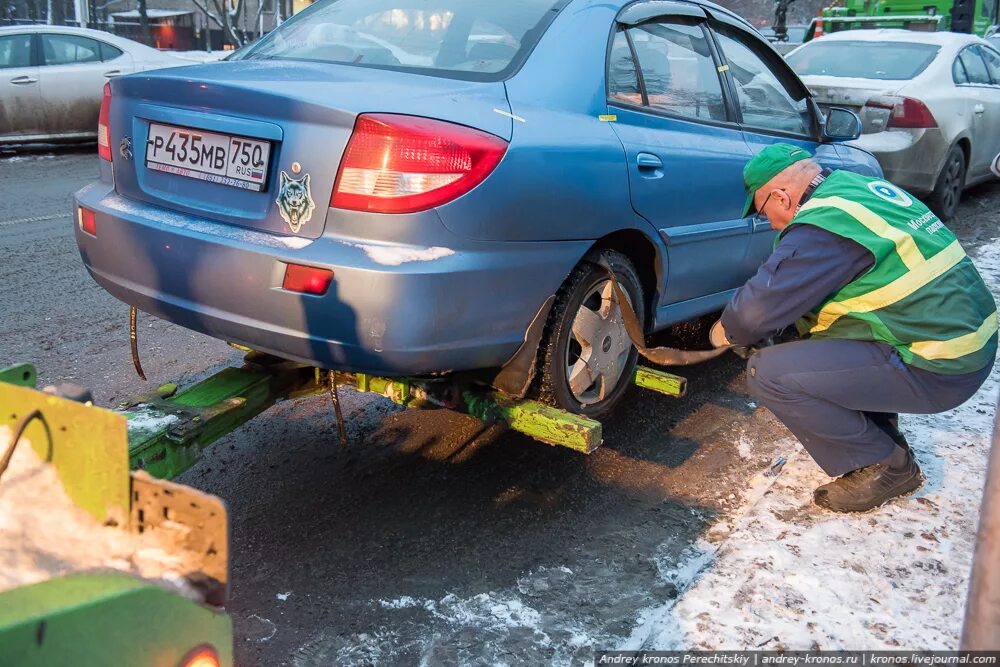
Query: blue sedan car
425	187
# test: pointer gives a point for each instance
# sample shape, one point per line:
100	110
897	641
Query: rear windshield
480	40
862	59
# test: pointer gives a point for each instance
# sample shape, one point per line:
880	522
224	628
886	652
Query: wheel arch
645	257
964	142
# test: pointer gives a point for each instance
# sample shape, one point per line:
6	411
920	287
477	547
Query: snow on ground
789	575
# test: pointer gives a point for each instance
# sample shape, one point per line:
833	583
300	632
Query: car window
623	79
677	69
69	49
958	74
109	52
467	39
975	67
766	101
15	51
992	59
894	61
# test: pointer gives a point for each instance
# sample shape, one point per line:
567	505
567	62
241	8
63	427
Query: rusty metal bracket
134	341
193	521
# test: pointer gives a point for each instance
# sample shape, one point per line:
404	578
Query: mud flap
517	374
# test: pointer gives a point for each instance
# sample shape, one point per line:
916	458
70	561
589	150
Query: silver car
929	103
52	78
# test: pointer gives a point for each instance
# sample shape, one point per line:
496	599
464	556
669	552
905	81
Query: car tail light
906	112
307	279
87	220
103	131
202	656
402	164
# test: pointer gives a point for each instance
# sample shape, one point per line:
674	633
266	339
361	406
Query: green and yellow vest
922	295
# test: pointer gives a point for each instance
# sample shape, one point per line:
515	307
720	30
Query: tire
599	385
950	183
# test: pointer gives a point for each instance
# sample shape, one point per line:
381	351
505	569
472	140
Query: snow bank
790	575
44	535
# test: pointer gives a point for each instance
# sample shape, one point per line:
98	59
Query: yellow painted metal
87	445
542	422
660	381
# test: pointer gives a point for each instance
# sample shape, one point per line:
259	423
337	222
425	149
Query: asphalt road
427	539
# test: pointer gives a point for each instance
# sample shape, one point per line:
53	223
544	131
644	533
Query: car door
73	75
977	88
773	106
991	103
684	150
20	99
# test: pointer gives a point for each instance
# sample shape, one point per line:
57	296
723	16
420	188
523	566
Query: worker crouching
894	315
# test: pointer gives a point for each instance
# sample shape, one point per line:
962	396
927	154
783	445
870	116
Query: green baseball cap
767	164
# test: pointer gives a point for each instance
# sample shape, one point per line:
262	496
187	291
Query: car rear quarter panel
564	174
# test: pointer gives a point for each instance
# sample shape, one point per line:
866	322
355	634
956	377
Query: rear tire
947	191
586	369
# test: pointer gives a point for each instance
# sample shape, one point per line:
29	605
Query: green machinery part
100	619
168	429
94	620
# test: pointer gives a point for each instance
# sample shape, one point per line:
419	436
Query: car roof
111	38
939	38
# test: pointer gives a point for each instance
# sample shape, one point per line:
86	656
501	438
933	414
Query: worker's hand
717	336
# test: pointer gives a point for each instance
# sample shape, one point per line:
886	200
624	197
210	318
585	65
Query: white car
52	79
929	103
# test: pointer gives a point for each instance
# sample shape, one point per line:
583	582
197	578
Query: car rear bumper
910	159
442	309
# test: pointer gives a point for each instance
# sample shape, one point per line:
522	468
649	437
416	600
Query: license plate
226	159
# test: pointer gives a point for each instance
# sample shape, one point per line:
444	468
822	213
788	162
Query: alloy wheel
599	346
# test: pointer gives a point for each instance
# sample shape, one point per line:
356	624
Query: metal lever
22	80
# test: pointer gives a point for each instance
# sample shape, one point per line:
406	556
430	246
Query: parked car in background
415	210
929	103
51	79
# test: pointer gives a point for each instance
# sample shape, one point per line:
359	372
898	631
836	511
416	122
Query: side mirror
996	165
841	125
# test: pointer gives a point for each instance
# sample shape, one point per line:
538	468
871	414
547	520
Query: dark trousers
821	389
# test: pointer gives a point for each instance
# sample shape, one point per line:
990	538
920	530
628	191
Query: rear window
479	40
866	60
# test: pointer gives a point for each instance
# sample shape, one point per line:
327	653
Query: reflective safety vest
922	295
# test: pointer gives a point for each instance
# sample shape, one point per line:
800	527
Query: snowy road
429	541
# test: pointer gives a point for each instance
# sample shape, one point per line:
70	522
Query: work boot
889	423
869	487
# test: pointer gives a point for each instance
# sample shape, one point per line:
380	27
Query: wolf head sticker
295	202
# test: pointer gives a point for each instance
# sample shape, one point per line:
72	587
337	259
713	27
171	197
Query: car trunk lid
853	94
303	112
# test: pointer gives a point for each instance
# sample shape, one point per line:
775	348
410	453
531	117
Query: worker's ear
782	197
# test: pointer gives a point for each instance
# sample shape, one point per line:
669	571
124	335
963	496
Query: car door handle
112	74
648	161
23	80
979	109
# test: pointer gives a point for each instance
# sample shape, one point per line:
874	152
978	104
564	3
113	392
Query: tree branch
209	14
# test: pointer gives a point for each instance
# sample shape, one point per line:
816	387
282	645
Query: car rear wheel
586	358
948	189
